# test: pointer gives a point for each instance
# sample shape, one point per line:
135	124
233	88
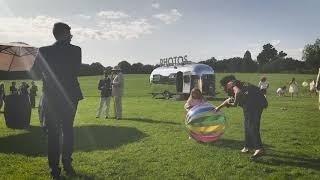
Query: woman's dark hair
224	81
293	79
263	79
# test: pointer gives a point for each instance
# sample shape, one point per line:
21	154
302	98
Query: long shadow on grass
273	157
86	138
282	158
151	121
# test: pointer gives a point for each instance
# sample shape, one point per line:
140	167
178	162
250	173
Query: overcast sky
146	30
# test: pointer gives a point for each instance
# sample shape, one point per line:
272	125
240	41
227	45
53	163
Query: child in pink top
194	99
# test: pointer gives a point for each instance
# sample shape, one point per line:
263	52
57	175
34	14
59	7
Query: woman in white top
293	87
263	85
312	87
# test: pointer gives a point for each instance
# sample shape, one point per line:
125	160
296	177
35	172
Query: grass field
151	142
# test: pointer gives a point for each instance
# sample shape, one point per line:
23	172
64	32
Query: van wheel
166	94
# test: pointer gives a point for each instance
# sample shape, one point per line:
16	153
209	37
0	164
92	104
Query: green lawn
151	143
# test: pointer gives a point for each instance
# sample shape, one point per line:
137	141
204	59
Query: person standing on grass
312	87
33	94
117	91
59	66
318	86
252	101
106	90
293	88
24	89
263	85
13	88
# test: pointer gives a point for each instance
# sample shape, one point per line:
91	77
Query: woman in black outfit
252	101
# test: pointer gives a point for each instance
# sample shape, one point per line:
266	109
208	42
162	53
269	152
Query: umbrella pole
11	63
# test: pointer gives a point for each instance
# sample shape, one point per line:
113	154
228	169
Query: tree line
93	69
269	60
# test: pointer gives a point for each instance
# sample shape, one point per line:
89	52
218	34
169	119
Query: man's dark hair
224	81
60	29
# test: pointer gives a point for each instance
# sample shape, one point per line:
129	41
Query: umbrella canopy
17	56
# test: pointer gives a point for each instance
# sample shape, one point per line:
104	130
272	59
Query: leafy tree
125	67
137	68
248	65
247	56
268	54
282	54
311	54
96	68
147	69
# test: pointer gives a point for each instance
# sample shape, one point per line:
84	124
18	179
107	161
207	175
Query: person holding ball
252	101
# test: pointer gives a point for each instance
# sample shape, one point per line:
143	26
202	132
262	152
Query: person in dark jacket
13	88
58	66
105	92
24	89
252	101
33	94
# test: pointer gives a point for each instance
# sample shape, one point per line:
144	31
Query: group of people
23	90
293	87
111	86
59	65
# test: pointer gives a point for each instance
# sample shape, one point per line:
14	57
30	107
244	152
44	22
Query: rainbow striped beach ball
205	125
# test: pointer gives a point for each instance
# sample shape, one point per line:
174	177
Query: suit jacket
105	87
59	65
117	85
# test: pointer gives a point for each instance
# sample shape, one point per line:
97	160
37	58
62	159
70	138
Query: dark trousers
252	119
32	100
59	117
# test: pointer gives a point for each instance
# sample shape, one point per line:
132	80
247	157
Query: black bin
17	111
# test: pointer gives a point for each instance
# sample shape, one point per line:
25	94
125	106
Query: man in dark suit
59	65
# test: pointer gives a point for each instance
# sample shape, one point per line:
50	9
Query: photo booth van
181	79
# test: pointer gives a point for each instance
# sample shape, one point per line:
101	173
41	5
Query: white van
181	79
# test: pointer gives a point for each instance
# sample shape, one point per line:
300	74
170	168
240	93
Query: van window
156	78
207	76
186	79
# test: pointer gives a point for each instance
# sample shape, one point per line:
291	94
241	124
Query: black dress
252	101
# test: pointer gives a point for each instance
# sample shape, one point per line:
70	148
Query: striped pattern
205	125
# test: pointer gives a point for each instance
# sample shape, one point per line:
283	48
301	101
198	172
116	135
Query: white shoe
258	153
244	150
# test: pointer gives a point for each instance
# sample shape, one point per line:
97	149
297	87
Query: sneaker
257	153
97	117
244	150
